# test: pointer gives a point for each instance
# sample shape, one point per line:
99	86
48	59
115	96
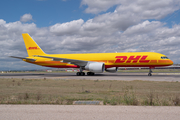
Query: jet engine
112	69
95	67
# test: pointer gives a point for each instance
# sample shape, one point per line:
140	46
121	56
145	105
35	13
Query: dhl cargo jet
93	62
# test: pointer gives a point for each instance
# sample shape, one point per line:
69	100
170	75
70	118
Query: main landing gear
81	73
90	73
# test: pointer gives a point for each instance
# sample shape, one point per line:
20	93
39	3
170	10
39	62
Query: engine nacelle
112	69
95	67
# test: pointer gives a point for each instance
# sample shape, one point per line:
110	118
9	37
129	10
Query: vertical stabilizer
31	46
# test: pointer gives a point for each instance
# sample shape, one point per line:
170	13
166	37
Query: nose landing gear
150	72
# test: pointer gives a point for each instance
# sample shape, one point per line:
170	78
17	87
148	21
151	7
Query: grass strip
111	92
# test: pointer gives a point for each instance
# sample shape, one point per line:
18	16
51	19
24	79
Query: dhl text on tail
93	62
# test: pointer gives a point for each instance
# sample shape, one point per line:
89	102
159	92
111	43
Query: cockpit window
164	57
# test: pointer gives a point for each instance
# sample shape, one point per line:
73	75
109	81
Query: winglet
31	46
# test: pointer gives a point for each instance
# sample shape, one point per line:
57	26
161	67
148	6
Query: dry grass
47	91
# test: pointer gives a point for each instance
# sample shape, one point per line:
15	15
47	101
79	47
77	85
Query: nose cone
170	62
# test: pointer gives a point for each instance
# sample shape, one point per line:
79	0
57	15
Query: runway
87	112
171	77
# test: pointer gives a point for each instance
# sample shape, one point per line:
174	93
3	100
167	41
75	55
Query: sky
88	26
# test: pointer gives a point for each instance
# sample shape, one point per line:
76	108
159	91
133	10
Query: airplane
93	62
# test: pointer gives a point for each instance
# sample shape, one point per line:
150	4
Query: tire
82	73
149	74
78	73
90	73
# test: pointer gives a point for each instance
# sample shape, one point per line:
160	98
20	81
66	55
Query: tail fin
31	46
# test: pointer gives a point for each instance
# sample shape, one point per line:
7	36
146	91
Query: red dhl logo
132	59
33	48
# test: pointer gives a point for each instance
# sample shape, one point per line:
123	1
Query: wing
23	58
65	60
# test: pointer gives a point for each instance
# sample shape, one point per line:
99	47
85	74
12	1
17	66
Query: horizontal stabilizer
23	58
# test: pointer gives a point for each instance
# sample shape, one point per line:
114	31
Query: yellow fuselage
130	59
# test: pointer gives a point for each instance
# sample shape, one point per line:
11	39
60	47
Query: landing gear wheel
80	73
90	73
149	74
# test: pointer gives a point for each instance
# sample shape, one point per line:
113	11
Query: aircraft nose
170	62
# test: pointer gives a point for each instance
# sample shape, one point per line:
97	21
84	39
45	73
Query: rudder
31	46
